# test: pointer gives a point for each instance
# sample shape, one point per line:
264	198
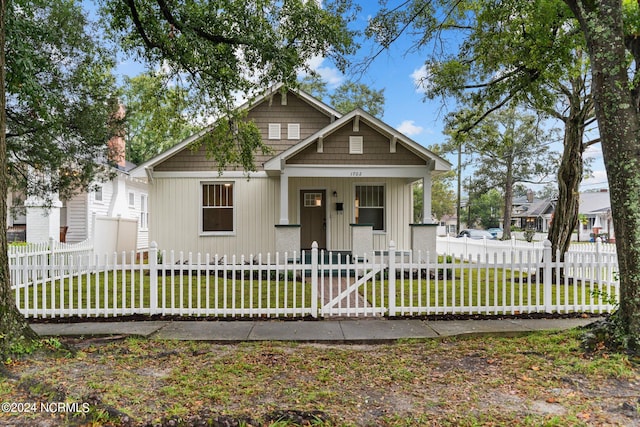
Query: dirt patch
537	379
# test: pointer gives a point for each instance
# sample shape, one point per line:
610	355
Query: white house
343	181
595	206
74	220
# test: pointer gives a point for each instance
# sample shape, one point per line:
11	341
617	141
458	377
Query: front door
313	219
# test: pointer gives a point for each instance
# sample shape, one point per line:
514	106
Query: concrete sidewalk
329	331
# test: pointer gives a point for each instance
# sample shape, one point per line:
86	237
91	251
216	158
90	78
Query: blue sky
406	109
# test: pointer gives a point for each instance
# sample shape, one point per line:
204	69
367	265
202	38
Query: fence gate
353	288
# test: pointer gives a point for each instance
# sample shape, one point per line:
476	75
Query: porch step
333	257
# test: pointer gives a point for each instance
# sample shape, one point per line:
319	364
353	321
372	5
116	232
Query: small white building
74	220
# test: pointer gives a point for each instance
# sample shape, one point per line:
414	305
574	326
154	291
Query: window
144	212
312	200
217	207
369	205
132	199
356	145
274	130
293	131
98	194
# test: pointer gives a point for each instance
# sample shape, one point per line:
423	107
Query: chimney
116	143
530	196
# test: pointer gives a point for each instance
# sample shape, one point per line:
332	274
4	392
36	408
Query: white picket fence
465	247
314	283
33	262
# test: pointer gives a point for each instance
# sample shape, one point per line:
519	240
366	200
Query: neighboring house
448	225
122	196
530	213
343	181
595	209
74	220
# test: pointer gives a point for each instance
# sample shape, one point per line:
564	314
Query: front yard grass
542	379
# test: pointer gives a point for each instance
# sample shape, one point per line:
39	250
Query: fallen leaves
369	384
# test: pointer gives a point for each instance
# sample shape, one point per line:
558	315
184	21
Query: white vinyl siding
174	227
175	223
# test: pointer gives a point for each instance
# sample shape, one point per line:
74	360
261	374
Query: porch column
288	240
426	198
362	240
284	198
423	241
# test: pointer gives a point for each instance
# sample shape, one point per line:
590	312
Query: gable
376	149
384	146
277	109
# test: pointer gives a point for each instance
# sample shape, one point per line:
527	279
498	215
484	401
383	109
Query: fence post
598	275
547	276
392	278
314	279
153	277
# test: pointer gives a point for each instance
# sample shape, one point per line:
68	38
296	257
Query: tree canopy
507	148
347	96
60	96
60	107
157	116
230	50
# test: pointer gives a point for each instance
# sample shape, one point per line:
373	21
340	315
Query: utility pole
459	202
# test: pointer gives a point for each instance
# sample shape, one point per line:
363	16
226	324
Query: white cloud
331	75
409	128
420	79
597	179
593	152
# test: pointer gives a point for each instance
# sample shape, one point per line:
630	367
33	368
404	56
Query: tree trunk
14	328
565	216
508	203
619	125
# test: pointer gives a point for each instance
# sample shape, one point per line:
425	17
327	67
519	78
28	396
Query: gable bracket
392	145
356	123
149	172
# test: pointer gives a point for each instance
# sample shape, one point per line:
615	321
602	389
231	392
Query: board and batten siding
398	209
257	213
178	227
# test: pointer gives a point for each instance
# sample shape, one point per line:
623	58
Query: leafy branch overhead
230	50
60	97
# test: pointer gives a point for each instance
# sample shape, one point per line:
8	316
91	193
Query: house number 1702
356	173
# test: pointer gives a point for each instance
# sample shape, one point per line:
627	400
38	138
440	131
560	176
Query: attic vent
274	130
356	145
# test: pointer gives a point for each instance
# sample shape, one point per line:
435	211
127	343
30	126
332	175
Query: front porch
352	215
